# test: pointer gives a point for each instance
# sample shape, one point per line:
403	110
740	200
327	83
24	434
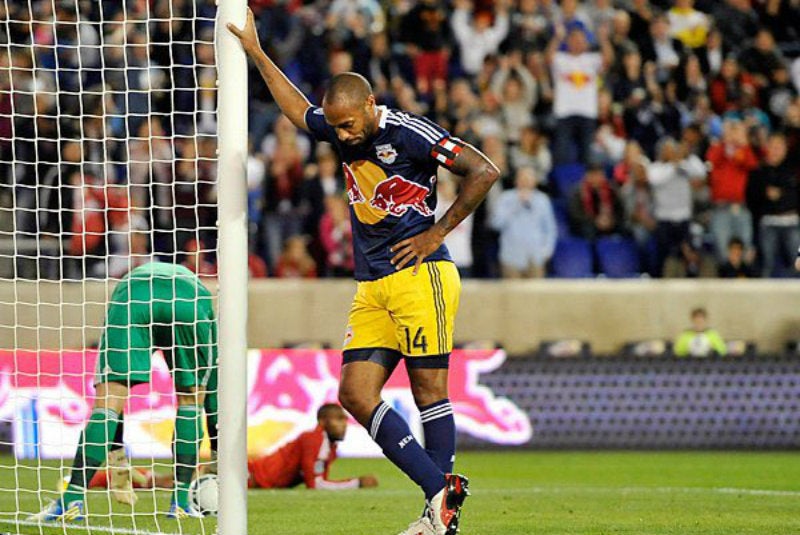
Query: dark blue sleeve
421	136
316	124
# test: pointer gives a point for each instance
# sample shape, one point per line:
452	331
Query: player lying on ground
155	305
307	459
408	287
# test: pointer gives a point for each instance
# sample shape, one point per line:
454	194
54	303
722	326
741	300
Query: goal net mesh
107	162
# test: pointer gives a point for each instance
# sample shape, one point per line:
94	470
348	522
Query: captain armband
446	151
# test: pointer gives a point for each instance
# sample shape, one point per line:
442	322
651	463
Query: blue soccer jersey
391	184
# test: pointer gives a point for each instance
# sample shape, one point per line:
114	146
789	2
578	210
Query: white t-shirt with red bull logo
576	84
391	184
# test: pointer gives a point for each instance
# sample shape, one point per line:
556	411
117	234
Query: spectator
621	43
762	58
594	207
670	178
661	48
630	76
524	218
336	236
459	240
774	192
688	25
295	261
323	179
736	265
731	160
699	340
716	50
636	195
515	85
426	33
736	22
726	89
478	37
529	27
576	75
286	152
532	151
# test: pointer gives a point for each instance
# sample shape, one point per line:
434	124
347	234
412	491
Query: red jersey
306	459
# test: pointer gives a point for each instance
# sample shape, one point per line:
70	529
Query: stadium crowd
633	136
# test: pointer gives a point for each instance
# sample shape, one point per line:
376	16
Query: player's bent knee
356	404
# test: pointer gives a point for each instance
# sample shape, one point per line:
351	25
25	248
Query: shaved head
346	89
349	107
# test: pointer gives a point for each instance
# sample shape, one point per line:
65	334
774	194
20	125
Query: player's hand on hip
416	249
247	35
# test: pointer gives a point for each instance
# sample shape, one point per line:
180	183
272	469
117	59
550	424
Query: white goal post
232	109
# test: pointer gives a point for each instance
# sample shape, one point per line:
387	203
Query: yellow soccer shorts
405	315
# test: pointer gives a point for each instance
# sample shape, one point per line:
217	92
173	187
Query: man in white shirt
671	178
477	36
576	75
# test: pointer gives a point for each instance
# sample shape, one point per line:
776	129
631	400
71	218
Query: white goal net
108	146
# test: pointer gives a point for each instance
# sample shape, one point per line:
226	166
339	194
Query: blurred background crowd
633	136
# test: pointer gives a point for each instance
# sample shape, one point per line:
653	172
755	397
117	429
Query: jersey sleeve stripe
425	126
421	124
417	131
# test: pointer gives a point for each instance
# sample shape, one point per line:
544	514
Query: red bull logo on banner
373	195
49	396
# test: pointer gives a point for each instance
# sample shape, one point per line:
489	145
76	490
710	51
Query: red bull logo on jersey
397	195
354	195
373	195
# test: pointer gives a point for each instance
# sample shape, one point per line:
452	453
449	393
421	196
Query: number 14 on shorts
417	342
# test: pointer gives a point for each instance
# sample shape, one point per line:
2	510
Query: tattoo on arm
478	173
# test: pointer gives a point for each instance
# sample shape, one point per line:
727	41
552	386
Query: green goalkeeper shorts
159	306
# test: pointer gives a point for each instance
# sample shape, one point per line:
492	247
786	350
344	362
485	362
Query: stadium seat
567	348
654	348
572	259
562	218
740	348
618	257
565	177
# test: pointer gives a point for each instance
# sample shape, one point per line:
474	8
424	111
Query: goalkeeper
155	306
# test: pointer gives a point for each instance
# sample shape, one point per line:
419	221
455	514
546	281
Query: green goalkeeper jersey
159	306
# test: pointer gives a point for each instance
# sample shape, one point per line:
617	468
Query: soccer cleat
444	509
421	526
55	512
176	512
119	475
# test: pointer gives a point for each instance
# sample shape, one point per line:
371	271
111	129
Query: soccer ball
204	494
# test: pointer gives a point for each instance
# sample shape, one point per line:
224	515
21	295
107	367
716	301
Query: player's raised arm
291	100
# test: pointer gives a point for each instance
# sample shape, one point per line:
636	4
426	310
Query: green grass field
512	493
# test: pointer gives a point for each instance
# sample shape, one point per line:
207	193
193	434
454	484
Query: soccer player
155	305
408	288
307	459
